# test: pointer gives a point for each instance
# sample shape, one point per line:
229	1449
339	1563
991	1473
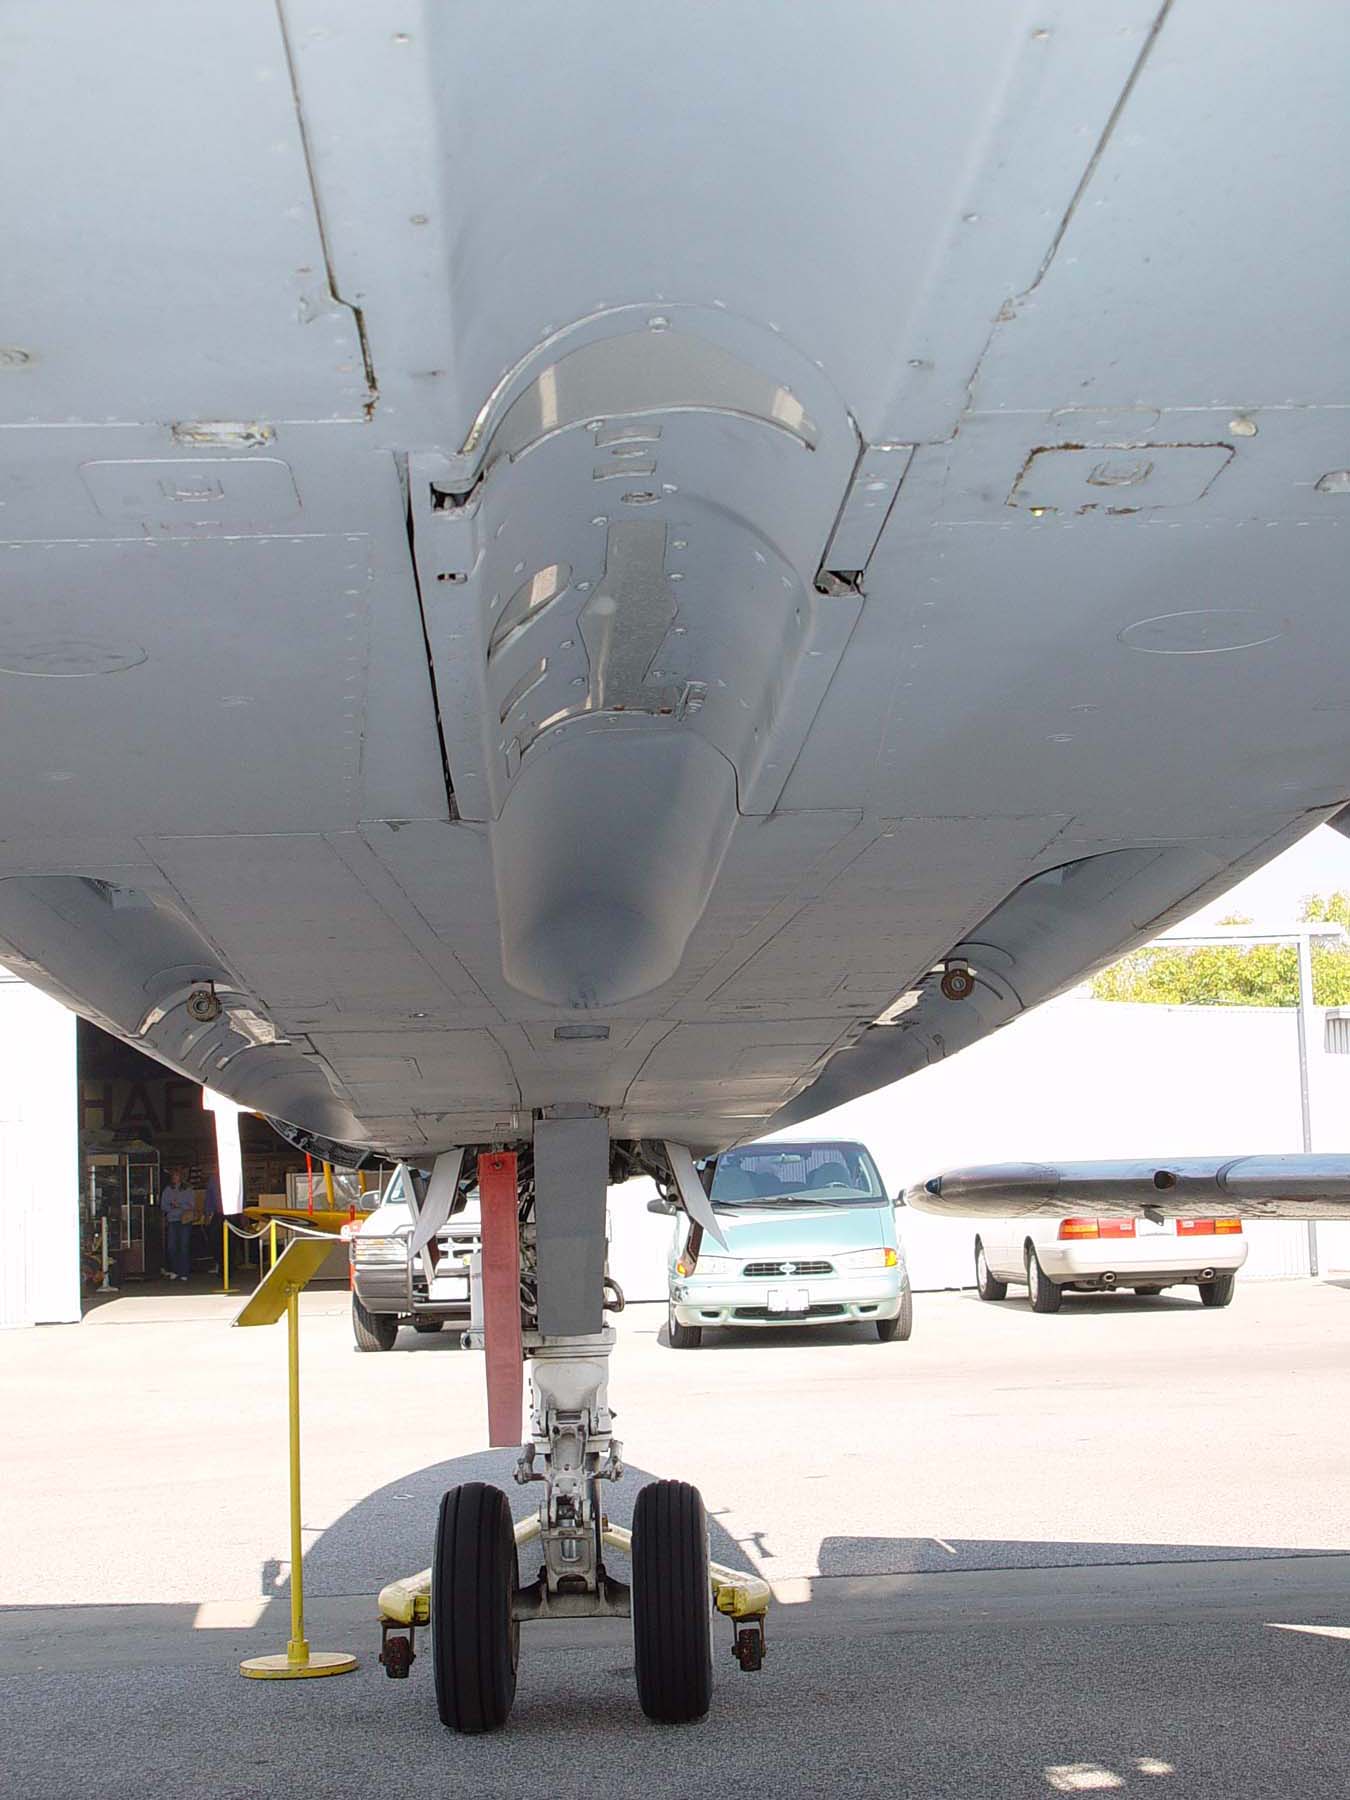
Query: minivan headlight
717	1265
884	1258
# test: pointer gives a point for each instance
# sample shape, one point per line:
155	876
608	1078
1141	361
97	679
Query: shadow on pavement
392	1531
915	1687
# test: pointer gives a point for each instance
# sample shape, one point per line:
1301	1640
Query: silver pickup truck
393	1287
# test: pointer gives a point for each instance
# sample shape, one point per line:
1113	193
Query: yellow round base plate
281	1668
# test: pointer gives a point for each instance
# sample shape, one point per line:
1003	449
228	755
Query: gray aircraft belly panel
154	647
164	138
1228	174
447	578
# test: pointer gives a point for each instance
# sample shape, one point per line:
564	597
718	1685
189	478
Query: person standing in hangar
178	1203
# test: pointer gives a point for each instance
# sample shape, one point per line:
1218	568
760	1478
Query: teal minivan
811	1240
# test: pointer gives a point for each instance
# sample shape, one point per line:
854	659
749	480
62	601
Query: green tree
1234	974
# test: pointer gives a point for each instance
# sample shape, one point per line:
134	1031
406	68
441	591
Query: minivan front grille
770	1270
812	1312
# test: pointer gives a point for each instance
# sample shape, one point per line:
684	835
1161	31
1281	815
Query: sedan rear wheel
1219	1292
987	1286
1045	1294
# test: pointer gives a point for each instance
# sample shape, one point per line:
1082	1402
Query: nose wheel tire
671	1602
1045	1294
987	1286
475	1643
373	1331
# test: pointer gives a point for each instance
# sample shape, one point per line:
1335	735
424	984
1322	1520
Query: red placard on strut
501	1296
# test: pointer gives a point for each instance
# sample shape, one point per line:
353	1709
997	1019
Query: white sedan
1090	1256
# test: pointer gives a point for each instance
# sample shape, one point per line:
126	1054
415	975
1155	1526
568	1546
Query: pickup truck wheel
373	1331
1045	1294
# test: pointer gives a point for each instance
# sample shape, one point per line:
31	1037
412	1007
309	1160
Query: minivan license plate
789	1300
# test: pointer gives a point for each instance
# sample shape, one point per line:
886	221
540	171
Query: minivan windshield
809	1174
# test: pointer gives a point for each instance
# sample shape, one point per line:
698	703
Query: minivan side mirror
659	1205
899	1200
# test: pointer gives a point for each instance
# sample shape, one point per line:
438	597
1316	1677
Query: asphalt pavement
1106	1550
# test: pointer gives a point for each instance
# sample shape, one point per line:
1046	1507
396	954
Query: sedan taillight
1206	1227
1096	1228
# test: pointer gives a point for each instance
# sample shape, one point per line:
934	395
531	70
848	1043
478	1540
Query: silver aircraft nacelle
1243	1187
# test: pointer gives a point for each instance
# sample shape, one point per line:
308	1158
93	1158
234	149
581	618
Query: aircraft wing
1241	1187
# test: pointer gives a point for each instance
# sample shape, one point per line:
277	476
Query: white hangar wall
39	1159
1084	1078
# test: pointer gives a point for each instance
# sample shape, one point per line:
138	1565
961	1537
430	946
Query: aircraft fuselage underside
578	570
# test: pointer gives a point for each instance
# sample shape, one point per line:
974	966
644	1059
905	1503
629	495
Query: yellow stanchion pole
272	1242
328	1186
299	1660
224	1257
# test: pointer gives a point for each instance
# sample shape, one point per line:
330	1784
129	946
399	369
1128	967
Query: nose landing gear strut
473	1597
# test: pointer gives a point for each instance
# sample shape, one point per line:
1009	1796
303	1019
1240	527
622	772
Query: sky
1317	864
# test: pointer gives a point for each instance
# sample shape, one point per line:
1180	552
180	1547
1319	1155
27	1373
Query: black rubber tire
899	1328
428	1327
1219	1292
1045	1294
672	1602
475	1643
682	1337
987	1286
373	1331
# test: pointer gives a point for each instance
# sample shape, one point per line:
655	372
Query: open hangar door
136	1122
